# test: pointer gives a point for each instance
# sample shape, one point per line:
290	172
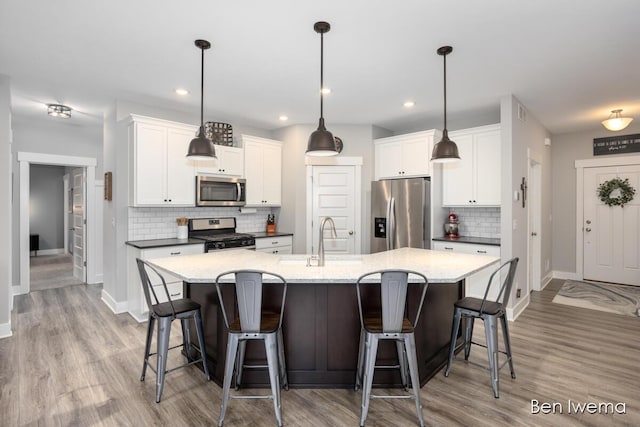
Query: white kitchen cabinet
404	156
263	171
135	295
475	180
230	162
281	245
476	284
160	173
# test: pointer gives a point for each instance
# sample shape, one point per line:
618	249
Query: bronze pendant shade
446	150
200	147
321	141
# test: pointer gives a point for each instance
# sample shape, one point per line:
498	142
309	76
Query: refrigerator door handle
391	233
387	238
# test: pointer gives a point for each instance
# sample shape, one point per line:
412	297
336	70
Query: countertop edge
470	240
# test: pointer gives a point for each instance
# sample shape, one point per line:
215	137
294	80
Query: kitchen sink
329	260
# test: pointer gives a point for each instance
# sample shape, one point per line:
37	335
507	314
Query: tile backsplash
478	222
160	223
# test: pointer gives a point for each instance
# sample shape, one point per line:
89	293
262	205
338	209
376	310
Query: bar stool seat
252	322
490	311
165	313
389	323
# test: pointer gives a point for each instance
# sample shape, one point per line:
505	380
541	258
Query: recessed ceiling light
283	118
409	104
182	92
325	90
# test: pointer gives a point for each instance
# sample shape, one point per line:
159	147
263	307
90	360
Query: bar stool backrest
147	286
507	284
248	287
393	297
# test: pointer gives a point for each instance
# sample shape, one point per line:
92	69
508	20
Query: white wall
5	206
517	138
566	149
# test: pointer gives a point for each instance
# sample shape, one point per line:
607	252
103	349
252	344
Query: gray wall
566	149
358	142
46	205
5	205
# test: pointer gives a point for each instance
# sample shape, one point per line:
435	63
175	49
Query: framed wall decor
108	185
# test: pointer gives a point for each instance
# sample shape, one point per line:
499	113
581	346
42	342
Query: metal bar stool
165	313
253	323
489	310
391	323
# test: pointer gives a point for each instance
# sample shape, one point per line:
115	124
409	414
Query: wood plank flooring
73	362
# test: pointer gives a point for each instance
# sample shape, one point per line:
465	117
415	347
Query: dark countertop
262	234
159	243
475	240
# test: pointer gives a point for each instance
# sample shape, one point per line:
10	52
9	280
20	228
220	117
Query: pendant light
445	151
321	141
615	121
200	147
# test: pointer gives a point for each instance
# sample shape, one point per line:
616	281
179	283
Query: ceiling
569	62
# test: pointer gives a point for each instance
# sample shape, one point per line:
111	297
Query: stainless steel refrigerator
400	214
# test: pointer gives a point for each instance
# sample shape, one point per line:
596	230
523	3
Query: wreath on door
616	192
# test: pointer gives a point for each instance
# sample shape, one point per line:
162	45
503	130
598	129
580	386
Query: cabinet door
150	172
487	168
230	162
416	157
388	160
272	175
457	177
253	173
181	183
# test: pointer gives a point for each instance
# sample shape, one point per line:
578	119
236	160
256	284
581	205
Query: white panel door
272	175
334	196
611	233
79	222
487	179
151	161
181	181
457	177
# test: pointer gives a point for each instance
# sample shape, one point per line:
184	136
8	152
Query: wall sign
616	145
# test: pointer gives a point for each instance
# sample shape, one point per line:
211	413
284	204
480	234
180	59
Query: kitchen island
321	325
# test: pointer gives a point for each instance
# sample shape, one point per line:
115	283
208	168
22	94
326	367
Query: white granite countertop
438	267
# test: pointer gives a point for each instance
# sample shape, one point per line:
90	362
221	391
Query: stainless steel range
219	234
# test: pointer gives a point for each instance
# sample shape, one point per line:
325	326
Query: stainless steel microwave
217	191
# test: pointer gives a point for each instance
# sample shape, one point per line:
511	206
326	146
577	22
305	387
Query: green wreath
616	192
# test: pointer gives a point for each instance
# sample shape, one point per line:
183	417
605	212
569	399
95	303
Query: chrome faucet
321	239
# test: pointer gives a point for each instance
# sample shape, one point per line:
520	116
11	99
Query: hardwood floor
73	362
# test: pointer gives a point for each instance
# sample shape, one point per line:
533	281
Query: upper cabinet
475	180
404	156
161	174
230	162
262	171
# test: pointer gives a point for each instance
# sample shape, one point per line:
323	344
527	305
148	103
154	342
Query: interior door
611	233
79	224
334	196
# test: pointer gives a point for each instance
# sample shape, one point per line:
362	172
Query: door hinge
85	263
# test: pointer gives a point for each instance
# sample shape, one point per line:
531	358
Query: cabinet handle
175	253
275	242
448	248
174	295
481	252
274	251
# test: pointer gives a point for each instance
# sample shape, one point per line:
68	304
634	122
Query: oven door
215	191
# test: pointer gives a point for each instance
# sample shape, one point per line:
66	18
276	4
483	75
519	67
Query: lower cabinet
281	245
135	295
476	284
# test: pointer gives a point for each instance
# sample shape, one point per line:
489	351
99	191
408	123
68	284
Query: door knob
587	229
588	221
534	234
351	233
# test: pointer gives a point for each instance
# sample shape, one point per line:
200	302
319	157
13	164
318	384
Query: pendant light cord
202	89
321	74
445	92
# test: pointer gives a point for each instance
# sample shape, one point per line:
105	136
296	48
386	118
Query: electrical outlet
518	293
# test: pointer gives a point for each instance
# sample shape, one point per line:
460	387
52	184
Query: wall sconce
615	121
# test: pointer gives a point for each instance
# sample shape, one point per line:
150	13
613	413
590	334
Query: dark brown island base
321	324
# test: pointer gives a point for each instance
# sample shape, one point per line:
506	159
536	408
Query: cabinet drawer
467	248
175	291
278	250
273	242
168	251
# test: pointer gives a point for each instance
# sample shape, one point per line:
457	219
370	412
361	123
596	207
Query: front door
611	233
79	224
334	195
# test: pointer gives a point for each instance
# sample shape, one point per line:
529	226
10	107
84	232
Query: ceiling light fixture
58	110
283	118
409	104
200	147
616	121
182	92
325	90
321	141
446	150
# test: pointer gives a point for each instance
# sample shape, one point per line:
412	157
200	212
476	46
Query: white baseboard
516	310
566	275
5	330
546	280
116	307
47	252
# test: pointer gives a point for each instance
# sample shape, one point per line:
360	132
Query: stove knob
219	245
